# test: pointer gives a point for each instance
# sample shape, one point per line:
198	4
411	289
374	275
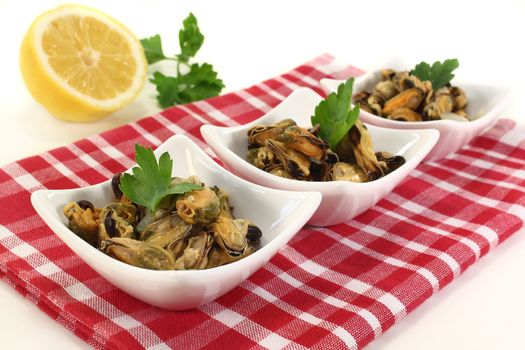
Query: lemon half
81	64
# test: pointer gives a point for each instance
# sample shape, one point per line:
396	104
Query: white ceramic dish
279	214
485	104
342	200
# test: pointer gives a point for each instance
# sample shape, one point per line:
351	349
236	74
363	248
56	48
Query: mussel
262	157
138	253
218	257
348	172
405	114
258	134
359	141
386	89
195	254
117	220
304	142
115	186
230	235
410	99
166	231
442	102
84	220
199	206
392	161
224	201
287	150
294	162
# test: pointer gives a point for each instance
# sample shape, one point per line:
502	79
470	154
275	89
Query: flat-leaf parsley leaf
439	74
199	83
334	115
151	181
190	38
153	49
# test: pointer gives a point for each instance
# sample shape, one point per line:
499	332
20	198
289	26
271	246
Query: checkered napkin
329	288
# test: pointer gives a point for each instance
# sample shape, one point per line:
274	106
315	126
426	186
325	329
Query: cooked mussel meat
442	102
392	161
199	206
402	96
181	233
405	114
278	170
117	220
166	231
83	220
230	235
254	233
294	162
195	254
218	257
410	99
348	172
138	253
299	153
224	200
358	139
115	186
258	134
262	157
386	89
303	141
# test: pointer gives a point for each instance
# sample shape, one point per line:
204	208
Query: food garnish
151	181
153	49
193	81
334	115
439	74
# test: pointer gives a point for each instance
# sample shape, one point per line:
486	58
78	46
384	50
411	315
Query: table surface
251	41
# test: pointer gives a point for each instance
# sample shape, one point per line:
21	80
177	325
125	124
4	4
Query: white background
251	41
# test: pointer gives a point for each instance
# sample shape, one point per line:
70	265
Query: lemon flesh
80	64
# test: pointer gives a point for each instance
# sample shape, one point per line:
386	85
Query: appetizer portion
162	223
336	147
422	94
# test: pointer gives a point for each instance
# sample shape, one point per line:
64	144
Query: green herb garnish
153	49
199	81
151	181
190	39
439	74
334	115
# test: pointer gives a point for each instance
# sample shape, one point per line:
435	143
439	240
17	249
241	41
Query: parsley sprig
335	115
151	181
439	74
199	81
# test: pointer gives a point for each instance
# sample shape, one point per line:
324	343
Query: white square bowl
342	200
279	214
485	104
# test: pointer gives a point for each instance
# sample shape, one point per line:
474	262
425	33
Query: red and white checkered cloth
329	288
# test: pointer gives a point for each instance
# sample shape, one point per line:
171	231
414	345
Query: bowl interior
299	106
482	98
271	210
